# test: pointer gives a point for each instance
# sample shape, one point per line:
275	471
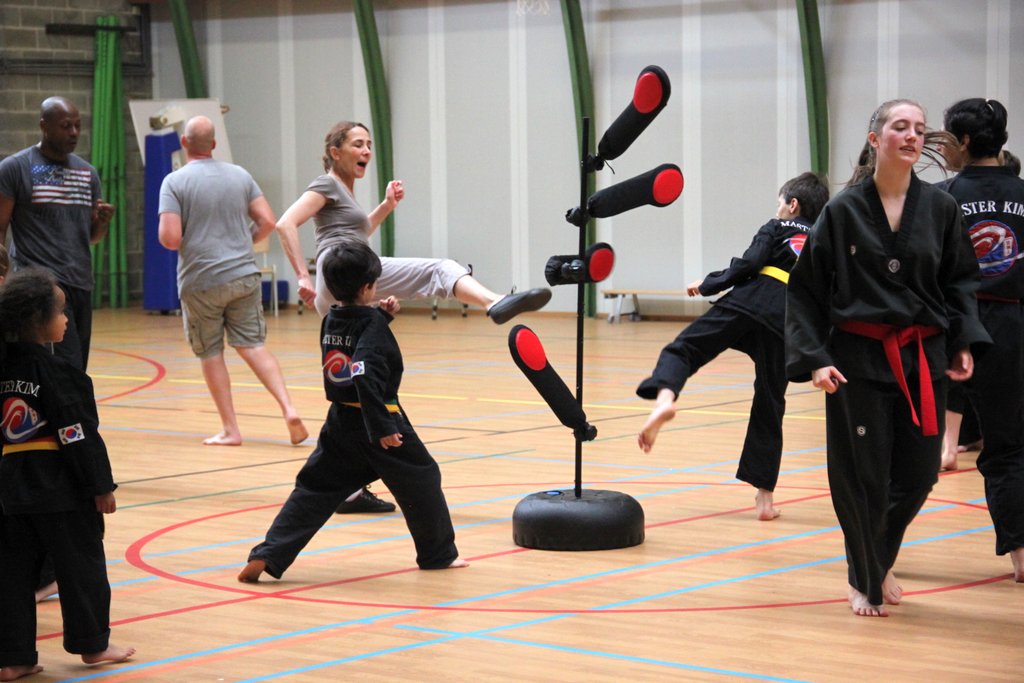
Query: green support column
195	84
814	83
583	99
380	113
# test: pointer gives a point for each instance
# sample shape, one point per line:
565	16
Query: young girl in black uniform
366	435
991	197
750	319
879	307
55	483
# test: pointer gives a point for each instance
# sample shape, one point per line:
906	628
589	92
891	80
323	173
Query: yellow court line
133	378
439	396
257	385
508	401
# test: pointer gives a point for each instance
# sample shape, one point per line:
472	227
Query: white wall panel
483	116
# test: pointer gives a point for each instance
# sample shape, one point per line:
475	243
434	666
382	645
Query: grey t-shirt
341	218
52	218
212	197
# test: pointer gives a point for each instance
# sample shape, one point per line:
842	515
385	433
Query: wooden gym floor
711	595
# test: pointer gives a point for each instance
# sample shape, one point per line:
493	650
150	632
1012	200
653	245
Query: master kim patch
71	433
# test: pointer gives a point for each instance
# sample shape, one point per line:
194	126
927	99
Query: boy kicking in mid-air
751	319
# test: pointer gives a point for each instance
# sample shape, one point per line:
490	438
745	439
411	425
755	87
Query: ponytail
937	144
981	122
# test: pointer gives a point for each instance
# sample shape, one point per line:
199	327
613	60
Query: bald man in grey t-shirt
205	212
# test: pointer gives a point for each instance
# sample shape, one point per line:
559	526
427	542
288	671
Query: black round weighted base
597	520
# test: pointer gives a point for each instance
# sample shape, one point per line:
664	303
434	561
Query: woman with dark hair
991	197
880	306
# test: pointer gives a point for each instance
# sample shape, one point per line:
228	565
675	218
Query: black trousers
75	349
700	343
880	470
997	393
74	541
344	461
77	339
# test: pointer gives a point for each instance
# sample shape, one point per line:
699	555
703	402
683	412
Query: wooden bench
620	294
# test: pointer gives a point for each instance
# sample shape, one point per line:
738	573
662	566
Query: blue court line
236	646
483	635
548	618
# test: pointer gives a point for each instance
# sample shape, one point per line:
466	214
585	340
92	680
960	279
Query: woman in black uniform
879	307
991	197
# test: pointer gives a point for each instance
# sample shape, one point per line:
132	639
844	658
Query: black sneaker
512	305
366	501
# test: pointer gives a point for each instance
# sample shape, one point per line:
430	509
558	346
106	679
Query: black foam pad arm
660	187
564	270
570	269
529	355
649	97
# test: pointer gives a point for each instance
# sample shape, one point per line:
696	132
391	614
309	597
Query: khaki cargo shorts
235	307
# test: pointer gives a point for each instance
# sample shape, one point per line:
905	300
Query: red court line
161	372
134	556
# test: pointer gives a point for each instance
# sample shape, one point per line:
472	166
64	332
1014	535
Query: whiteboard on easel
162	116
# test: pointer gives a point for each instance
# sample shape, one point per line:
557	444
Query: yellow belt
392	407
47	443
777	273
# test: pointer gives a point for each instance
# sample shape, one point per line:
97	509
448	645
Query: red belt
892	339
985	296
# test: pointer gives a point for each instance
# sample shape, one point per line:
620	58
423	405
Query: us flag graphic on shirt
53	184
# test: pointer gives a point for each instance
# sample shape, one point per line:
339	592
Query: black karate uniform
362	371
992	201
54	464
881	466
750	319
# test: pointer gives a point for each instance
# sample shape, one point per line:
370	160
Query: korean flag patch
358	368
71	433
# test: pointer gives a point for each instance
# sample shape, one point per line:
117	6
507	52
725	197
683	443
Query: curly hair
27	302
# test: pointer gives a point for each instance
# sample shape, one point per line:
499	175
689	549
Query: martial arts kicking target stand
590	519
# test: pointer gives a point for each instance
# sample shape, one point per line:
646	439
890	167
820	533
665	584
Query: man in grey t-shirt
50	199
205	207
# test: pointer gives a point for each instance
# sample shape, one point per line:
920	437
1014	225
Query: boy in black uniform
55	483
366	435
749	319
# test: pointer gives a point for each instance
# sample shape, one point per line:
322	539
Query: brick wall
35	65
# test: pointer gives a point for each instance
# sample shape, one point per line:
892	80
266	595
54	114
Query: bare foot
861	607
113	653
766	510
973	446
458	563
892	591
1017	556
223	439
662	413
949	459
10	673
296	430
251	572
45	592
